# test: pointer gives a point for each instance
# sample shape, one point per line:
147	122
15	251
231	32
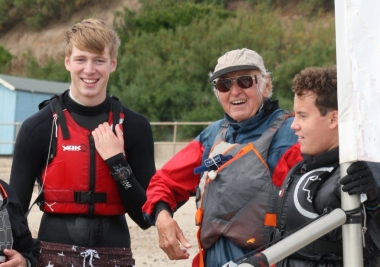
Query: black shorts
57	255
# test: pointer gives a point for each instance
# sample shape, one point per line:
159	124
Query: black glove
360	179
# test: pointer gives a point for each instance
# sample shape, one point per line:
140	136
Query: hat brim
231	69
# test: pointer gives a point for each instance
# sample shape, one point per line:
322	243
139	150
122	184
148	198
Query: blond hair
92	35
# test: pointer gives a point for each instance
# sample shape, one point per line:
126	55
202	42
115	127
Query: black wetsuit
30	157
309	188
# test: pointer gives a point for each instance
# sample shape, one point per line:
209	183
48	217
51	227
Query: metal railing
174	145
16	126
175	125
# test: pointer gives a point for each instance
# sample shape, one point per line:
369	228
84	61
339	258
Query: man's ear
268	87
67	63
113	65
334	119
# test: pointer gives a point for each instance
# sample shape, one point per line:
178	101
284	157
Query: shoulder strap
56	105
3	197
263	143
116	109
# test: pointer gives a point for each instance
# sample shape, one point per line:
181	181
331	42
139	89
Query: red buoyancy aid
77	180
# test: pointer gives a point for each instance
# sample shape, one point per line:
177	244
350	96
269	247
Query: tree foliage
5	57
163	71
36	13
170	46
51	71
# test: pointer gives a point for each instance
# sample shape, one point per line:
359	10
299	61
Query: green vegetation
163	70
36	13
169	48
51	71
5	58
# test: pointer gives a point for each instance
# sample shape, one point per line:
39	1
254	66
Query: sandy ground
145	242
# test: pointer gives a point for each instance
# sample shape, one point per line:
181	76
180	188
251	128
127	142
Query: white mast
358	56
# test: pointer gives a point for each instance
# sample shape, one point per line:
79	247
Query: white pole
305	236
351	233
301	238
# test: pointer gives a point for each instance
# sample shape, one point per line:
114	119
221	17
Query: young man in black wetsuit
313	186
92	157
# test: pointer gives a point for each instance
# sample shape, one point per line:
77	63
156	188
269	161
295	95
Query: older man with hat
233	168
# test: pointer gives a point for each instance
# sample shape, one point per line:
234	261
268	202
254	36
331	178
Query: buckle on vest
89	197
212	164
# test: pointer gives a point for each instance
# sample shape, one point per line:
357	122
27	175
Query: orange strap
201	260
270	219
198	221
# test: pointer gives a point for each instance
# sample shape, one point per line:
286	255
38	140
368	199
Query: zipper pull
282	191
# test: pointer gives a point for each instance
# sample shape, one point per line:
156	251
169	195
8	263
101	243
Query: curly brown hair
322	82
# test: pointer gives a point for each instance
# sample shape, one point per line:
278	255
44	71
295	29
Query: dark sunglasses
244	82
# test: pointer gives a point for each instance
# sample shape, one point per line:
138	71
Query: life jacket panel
297	197
88	188
6	240
239	202
296	208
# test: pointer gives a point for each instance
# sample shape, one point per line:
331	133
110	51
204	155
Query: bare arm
171	237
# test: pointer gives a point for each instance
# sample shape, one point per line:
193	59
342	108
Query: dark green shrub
36	13
5	57
164	73
51	71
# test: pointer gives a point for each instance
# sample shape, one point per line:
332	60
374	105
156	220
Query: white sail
358	64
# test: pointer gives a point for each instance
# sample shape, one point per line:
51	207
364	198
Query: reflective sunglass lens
223	85
244	82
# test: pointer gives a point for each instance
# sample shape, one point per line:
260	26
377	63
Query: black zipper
290	180
92	173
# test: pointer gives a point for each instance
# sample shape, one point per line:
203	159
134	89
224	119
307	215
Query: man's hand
15	259
170	237
360	179
106	143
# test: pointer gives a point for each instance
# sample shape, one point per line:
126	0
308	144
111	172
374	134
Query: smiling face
242	104
89	75
316	133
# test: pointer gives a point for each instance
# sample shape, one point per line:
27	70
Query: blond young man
92	157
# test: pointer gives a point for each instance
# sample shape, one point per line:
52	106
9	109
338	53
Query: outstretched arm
171	237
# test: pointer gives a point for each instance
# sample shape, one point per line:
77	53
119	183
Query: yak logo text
80	148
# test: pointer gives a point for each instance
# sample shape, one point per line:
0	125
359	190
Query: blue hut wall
7	115
15	106
27	104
